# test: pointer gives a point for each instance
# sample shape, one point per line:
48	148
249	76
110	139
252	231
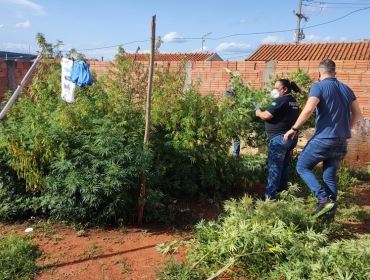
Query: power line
231	35
333	7
112	46
337	19
337	3
288	30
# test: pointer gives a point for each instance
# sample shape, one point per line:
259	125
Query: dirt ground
104	254
119	253
94	254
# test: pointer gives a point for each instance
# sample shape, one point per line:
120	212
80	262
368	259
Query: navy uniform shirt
285	111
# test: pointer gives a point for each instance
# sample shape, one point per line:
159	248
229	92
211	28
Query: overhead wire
288	30
230	35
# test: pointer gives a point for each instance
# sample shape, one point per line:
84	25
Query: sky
228	27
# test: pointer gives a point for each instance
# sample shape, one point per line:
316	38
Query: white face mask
274	93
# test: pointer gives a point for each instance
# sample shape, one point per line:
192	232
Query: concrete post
10	68
269	71
187	82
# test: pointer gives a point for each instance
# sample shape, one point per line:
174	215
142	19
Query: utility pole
147	120
204	39
299	35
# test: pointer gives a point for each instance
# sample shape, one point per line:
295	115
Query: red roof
294	52
196	56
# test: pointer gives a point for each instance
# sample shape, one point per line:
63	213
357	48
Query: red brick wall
21	68
212	77
356	74
3	78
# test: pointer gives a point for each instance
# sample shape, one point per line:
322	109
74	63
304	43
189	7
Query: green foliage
17	258
67	153
16	202
346	180
48	50
346	259
361	174
240	119
250	235
83	162
169	247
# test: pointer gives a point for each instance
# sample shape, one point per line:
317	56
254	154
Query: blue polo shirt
333	113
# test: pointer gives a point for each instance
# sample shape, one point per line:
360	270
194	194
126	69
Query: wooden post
18	91
147	122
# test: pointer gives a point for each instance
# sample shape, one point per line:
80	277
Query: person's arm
356	113
264	115
306	113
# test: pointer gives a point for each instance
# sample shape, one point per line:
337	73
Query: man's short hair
327	65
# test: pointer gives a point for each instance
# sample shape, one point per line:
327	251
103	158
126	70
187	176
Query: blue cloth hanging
81	74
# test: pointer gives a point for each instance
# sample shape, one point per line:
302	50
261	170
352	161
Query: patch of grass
92	251
170	247
17	258
124	266
43	227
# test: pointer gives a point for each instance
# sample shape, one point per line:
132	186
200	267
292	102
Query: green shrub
193	134
272	240
253	238
83	162
17	258
15	201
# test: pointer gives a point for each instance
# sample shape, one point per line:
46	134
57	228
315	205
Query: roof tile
320	51
196	56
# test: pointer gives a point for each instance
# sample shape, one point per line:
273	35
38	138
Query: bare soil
120	253
105	254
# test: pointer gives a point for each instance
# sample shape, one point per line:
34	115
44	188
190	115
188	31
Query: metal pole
18	91
298	27
147	121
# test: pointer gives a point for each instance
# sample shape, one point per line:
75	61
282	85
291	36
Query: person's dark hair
291	86
327	65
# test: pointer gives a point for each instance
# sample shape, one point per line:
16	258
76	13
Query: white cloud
270	39
16	46
23	24
251	20
1	25
36	8
312	38
173	37
233	47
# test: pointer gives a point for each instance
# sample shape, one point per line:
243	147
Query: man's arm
306	113
264	115
356	113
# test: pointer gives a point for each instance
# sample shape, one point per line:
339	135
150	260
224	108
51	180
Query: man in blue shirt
337	111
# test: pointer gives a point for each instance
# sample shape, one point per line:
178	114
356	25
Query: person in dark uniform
279	118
